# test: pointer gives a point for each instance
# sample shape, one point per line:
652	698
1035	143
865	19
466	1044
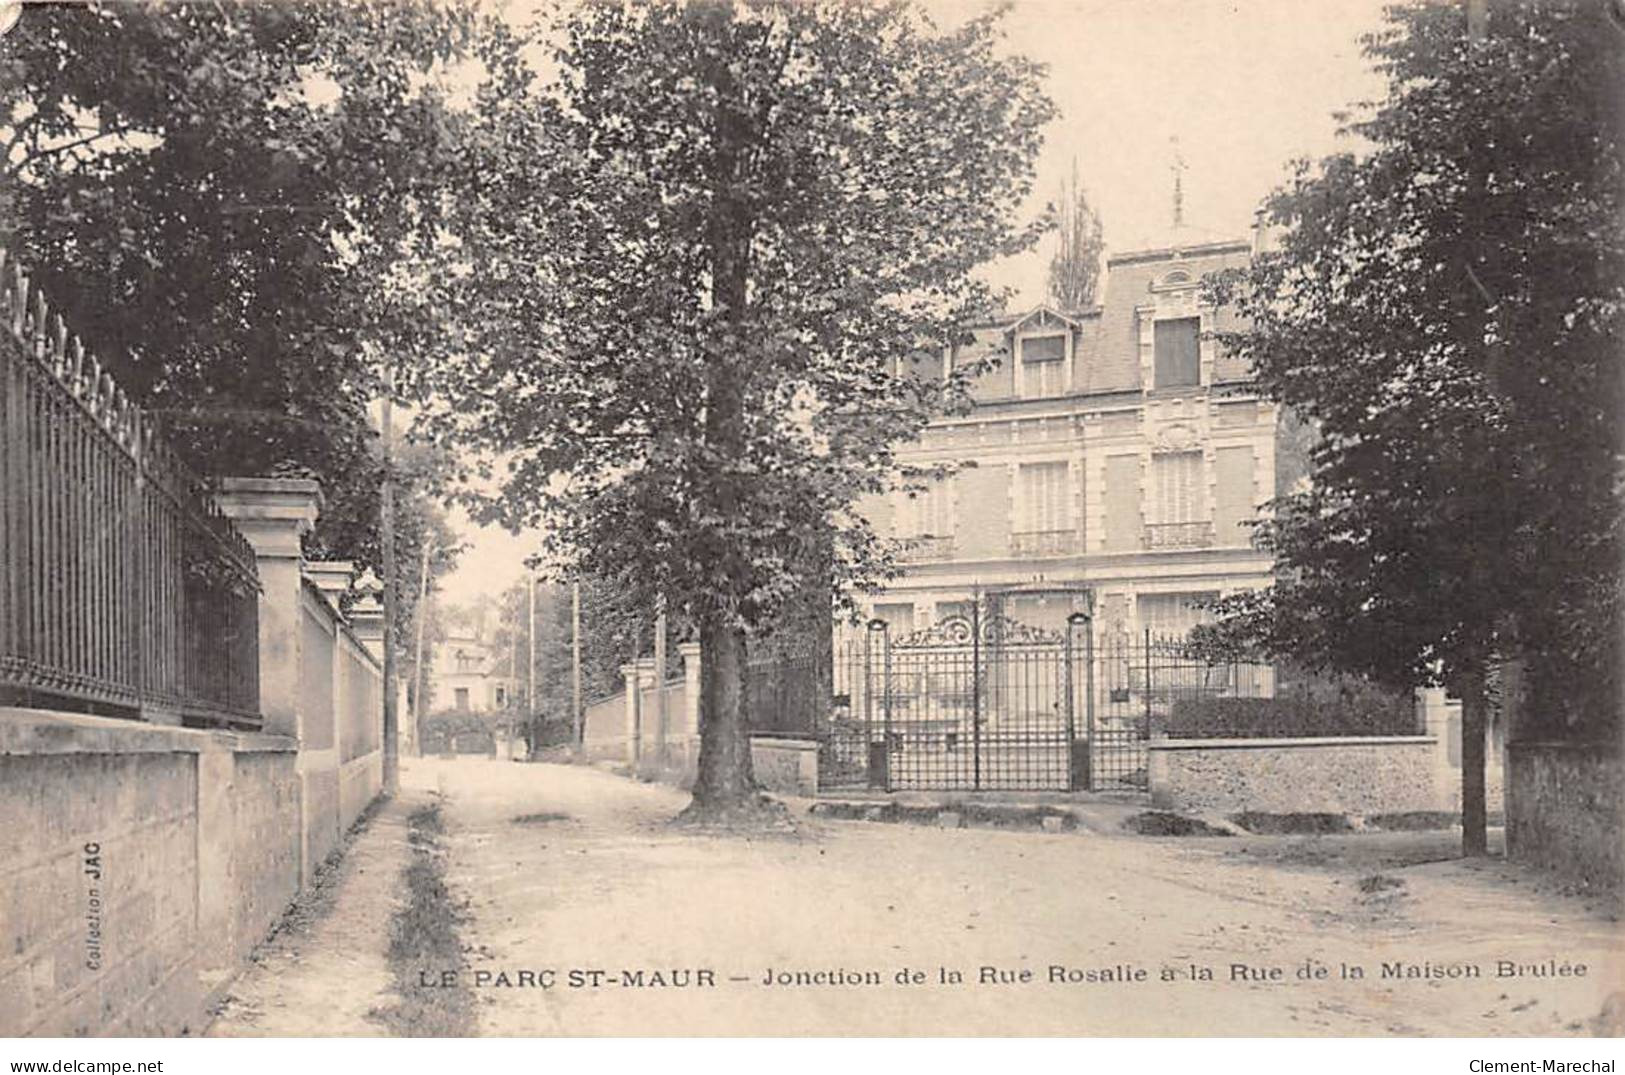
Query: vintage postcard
820	519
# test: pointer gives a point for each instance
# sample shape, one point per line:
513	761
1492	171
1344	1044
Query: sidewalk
1099	813
325	971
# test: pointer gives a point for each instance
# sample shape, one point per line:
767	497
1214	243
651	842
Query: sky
1246	86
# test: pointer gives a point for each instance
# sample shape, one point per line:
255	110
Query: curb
1038	818
1058	819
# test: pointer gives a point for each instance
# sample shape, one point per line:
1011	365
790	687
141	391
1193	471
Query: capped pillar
273	514
367	614
690	652
634	698
332	577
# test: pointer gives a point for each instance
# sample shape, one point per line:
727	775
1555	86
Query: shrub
1287	717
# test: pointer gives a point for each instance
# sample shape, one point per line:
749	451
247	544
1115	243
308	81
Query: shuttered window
1172	615
1177	486
1178	359
928	513
1045	497
1043	366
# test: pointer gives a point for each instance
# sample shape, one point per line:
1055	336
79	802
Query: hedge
1289	717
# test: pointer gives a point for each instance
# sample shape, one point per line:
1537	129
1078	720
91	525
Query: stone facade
468	676
1099	471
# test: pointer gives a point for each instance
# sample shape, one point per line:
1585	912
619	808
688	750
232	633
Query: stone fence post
273	514
688	722
332	577
634	731
690	726
650	747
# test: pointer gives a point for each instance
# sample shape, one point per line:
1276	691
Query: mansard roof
1106	337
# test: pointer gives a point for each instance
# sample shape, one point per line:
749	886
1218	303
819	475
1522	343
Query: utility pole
419	678
1474	816
392	746
575	661
661	728
513	658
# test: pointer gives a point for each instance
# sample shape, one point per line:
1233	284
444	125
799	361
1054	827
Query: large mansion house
1117	454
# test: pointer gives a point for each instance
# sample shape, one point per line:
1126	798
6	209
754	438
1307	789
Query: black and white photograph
828	519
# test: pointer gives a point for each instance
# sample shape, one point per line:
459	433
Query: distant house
466	674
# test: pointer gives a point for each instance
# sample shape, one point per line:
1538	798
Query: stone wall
141	864
603	735
1564	809
321	671
788	766
1361	776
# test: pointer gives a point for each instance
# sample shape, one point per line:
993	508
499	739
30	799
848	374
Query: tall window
928	513
1177	487
899	618
1172	615
1045	497
1043	364
1178	360
460	697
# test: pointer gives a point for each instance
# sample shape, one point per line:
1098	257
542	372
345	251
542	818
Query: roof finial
1178	168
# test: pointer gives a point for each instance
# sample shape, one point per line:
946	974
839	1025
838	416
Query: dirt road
587	913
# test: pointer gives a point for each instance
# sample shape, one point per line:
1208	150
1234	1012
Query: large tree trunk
725	786
725	783
1474	815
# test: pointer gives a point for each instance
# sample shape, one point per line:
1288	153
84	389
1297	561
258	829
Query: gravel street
586	913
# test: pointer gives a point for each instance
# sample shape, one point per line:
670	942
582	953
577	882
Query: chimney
1263	233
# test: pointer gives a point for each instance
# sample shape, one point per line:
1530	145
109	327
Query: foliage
1445	309
847	163
703	255
1289	716
614	631
472	733
1074	269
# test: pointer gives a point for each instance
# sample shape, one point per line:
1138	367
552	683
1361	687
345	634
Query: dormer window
1178	353
1043	365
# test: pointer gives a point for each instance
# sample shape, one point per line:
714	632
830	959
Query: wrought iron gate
974	702
980	702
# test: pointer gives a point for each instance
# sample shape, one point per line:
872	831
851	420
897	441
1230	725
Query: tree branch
14	170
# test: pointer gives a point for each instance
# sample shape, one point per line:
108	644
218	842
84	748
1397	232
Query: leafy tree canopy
698	258
216	197
1445	309
696	268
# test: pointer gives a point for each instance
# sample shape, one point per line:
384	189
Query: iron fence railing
1189	535
1044	542
977	701
123	589
928	547
788	690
